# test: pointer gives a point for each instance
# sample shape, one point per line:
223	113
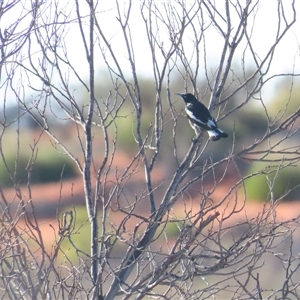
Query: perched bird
200	118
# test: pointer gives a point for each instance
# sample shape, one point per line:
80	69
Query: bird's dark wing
200	115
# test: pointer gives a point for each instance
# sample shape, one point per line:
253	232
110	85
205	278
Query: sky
287	55
264	29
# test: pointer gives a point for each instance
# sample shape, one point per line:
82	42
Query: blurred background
244	126
45	72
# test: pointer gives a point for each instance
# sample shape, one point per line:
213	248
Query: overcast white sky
287	55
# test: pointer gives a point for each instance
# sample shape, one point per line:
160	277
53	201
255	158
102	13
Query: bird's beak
178	94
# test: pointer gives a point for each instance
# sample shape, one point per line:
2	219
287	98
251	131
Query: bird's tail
216	134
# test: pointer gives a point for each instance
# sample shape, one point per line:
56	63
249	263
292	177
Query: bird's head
188	98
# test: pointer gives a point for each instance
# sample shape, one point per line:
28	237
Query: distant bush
80	234
172	228
50	166
257	187
126	130
17	169
77	241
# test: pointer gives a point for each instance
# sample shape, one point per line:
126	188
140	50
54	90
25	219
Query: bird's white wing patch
212	133
209	123
191	115
221	131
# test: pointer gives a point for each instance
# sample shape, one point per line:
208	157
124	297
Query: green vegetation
77	242
172	228
287	179
126	129
49	166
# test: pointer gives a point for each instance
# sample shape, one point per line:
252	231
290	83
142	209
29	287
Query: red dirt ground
72	193
53	191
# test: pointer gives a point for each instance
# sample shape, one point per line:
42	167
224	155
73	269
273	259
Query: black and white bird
200	118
